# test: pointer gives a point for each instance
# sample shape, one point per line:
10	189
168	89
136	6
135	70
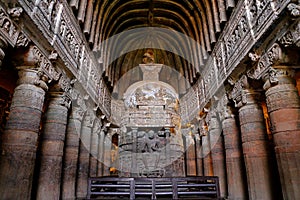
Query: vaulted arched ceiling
199	20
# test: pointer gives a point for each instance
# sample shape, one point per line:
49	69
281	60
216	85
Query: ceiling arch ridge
124	43
132	14
110	9
204	23
182	20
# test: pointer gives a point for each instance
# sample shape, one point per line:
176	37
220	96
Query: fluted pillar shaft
236	177
19	141
52	147
71	153
284	111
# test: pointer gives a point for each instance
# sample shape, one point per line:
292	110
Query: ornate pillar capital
292	36
89	118
273	56
33	58
225	111
60	98
203	127
243	94
33	77
278	76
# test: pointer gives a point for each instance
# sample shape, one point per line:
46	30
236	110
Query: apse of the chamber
153	38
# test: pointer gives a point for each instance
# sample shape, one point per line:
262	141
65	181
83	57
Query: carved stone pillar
84	155
284	111
71	150
236	177
190	155
52	148
206	151
256	148
101	153
217	150
19	141
107	154
199	160
94	149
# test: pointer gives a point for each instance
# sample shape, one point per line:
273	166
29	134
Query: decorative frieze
104	98
189	104
248	23
8	29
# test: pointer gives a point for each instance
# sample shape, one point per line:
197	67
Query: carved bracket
273	55
44	64
292	36
294	9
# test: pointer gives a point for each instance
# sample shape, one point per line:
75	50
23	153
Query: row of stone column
243	156
50	147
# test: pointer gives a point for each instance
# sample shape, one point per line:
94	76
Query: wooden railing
204	187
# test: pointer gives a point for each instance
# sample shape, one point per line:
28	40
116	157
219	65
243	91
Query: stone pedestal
84	156
236	177
283	107
71	153
19	141
217	153
256	149
52	148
